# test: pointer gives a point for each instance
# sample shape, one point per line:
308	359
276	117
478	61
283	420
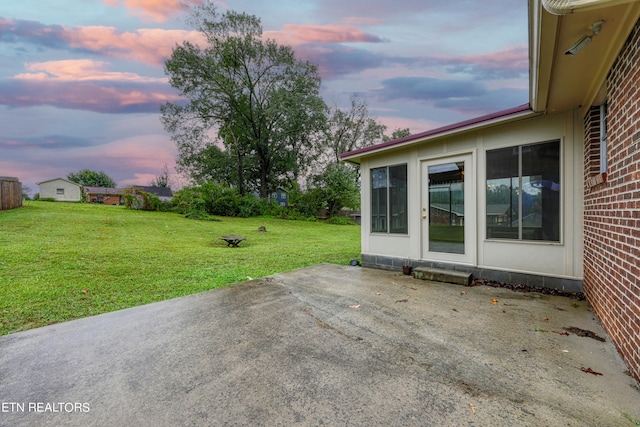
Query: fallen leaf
377	293
473	407
540	330
546	319
403	300
355	306
393	283
85	291
463	293
494	300
454	309
415	289
590	371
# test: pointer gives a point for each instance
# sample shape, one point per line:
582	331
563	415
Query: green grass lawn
63	261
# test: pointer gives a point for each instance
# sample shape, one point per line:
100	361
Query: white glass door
448	210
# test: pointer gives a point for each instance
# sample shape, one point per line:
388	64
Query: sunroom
499	196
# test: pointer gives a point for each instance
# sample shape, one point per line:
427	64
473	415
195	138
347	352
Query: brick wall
612	208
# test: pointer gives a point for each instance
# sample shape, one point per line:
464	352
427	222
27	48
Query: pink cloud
80	70
156	10
293	34
152	46
100	97
147	45
515	58
133	160
86	85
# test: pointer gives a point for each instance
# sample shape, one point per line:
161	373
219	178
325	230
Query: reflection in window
523	192
446	208
389	199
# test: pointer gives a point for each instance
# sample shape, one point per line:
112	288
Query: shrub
249	205
340	220
135	198
190	201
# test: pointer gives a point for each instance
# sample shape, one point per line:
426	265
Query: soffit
562	82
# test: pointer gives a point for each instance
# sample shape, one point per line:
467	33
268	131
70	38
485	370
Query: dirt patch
580	296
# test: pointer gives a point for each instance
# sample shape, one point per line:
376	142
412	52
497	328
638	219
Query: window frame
604	163
390	208
520	183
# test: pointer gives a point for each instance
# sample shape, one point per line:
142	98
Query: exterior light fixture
585	40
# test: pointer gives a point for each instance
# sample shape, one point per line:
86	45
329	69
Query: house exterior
104	195
280	196
544	194
60	190
115	196
163	193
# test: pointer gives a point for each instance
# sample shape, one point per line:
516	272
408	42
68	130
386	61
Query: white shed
60	190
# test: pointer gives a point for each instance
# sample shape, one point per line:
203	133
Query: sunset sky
81	82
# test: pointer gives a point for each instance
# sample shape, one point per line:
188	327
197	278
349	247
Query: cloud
47	142
427	89
85	85
156	10
509	63
80	70
147	45
103	97
336	60
129	160
293	35
469	98
491	101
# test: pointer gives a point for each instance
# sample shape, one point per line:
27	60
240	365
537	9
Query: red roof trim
471	123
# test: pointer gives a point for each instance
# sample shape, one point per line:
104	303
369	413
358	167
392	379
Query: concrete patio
325	345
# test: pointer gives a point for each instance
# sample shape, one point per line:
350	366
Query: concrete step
439	275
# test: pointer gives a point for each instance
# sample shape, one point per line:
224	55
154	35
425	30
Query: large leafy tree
350	128
91	178
397	134
337	187
252	109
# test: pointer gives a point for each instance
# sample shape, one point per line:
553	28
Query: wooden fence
10	193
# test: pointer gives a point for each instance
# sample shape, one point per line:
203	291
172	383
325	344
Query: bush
249	205
135	198
191	203
306	204
340	220
213	199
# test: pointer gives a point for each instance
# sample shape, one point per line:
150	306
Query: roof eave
481	122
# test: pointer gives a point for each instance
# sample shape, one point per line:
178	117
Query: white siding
561	259
60	190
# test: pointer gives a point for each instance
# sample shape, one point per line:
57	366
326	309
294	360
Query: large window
523	192
389	199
